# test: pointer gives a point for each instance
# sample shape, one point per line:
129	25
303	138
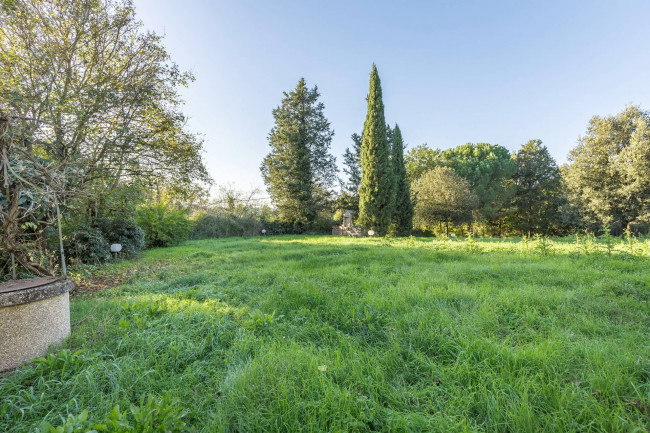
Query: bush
321	225
87	244
163	225
122	231
225	225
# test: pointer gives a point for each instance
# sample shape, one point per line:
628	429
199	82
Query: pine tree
299	171
376	192
538	192
352	167
403	212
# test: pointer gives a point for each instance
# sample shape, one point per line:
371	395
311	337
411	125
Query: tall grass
329	334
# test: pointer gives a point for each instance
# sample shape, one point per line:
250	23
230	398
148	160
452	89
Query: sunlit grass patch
307	333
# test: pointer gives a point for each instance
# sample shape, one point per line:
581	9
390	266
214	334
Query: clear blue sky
452	71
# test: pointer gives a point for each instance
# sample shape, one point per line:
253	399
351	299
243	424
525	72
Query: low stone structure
34	314
347	228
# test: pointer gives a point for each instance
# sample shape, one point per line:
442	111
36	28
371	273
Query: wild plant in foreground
153	415
630	242
543	245
608	240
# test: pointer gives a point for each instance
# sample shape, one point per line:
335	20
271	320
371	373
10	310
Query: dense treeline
605	186
299	169
476	188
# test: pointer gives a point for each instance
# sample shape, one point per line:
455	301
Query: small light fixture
115	249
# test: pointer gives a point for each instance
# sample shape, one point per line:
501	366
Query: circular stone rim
34	294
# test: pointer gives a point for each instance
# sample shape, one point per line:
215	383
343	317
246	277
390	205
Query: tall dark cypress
403	211
376	191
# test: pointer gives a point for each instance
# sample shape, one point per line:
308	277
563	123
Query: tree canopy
441	195
538	184
488	168
299	170
89	102
421	159
609	170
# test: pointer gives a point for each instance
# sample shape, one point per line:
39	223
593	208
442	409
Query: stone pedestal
34	314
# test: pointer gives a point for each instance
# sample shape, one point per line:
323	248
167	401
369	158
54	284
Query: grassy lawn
330	334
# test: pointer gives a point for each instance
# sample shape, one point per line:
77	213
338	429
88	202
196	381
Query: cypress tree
403	212
299	171
376	191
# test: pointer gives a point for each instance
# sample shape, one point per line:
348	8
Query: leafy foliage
443	196
123	231
488	168
87	244
352	168
152	415
89	101
609	170
421	159
221	225
163	225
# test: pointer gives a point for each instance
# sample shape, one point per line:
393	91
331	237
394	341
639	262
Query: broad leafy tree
376	196
403	210
609	170
89	102
420	159
489	169
299	171
441	195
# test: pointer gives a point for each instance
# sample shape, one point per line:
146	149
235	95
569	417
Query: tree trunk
12	237
447	228
11	222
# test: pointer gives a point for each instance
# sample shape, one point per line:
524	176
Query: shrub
225	225
321	225
122	231
87	244
163	225
275	227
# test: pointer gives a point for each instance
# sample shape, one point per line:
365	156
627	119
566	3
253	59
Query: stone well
34	314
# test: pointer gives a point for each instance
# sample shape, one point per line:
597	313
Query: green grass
332	334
